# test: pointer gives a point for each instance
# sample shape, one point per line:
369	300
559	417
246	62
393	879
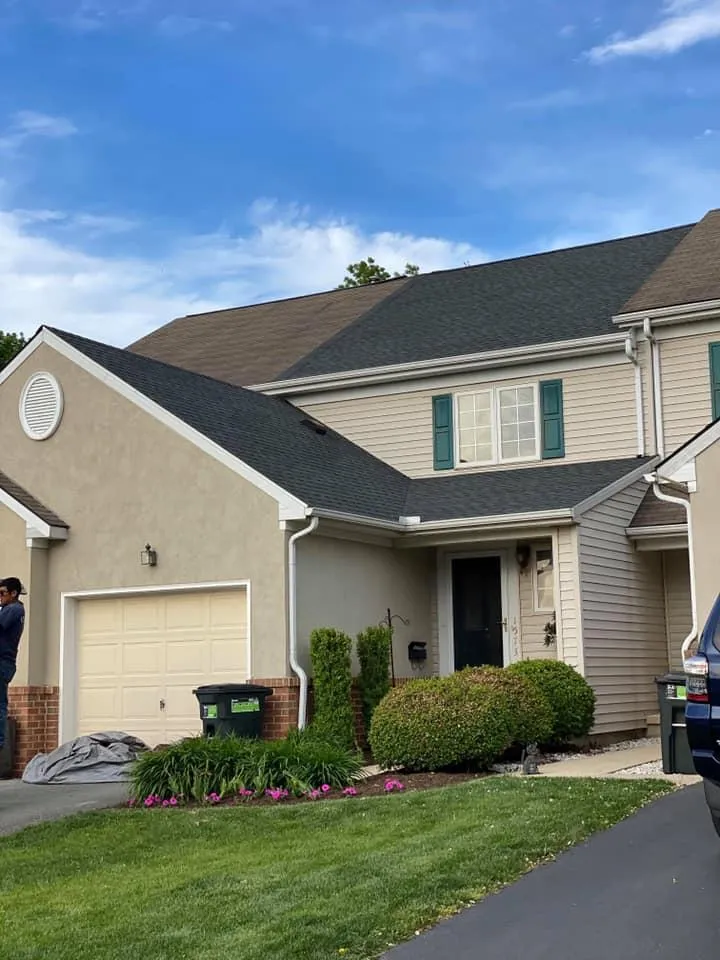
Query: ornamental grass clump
211	769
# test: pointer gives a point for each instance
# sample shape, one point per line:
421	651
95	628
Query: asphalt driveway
24	804
649	889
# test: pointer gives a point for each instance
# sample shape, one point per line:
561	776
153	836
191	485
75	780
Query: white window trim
497	458
536	606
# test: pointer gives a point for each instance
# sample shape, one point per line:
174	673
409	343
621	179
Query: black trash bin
676	753
232	708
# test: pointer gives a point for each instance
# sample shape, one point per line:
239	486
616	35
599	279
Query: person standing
12	624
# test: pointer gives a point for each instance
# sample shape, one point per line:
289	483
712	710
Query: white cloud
682	23
26	124
51	278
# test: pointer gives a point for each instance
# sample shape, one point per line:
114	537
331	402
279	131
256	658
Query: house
475	450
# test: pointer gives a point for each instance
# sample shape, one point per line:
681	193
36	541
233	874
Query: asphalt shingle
328	472
544	298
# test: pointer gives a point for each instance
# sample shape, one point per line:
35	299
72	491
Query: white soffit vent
41	406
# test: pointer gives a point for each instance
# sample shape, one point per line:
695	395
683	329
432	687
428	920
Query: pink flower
391	785
149	801
314	794
131	802
173	801
166	803
244	792
349	792
325	788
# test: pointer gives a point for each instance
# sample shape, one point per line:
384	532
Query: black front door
477	612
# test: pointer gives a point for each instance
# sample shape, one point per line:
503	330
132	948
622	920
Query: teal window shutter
443	439
715	379
551	416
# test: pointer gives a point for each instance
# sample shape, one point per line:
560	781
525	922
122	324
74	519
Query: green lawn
302	882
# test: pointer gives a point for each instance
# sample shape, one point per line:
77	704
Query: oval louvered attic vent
41	406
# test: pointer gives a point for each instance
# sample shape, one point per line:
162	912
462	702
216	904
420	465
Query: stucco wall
350	586
120	478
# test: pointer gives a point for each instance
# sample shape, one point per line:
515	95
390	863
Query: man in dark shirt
12	624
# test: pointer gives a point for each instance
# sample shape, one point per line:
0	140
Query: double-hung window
498	425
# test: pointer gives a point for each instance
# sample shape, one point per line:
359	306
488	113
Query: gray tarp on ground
97	758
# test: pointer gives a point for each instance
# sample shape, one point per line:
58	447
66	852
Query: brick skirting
281	709
35	711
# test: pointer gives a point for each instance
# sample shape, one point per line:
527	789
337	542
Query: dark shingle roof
328	472
29	502
548	297
657	513
254	344
691	274
505	492
270	435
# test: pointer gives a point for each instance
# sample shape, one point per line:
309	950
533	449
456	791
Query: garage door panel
228	655
101	659
143	615
186	613
136	651
228	610
143	658
100	618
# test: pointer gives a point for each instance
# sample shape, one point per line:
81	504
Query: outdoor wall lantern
522	555
148	556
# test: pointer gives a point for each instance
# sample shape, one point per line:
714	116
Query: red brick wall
281	709
35	710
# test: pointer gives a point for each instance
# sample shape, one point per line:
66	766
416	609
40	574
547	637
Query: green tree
10	345
368	271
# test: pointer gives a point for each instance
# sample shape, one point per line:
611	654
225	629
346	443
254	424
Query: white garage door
140	658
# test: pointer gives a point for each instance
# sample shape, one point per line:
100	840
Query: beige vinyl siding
685	376
532	622
599	411
568	612
678	612
624	638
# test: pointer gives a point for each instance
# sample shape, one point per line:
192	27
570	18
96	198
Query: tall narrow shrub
332	686
373	647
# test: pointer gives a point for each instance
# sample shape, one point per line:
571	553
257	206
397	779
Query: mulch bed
370	787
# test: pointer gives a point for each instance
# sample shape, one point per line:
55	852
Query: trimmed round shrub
532	716
438	724
570	696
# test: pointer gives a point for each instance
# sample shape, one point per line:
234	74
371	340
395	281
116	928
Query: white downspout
631	353
657	387
292	619
685	504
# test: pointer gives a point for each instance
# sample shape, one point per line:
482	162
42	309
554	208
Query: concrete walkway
615	763
24	804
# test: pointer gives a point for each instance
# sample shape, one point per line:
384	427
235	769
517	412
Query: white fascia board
41	527
672	465
679	313
661	530
289	507
413	526
586	346
640	473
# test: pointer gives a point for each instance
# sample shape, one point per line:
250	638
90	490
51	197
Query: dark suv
702	710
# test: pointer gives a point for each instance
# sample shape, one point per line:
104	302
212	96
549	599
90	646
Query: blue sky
159	158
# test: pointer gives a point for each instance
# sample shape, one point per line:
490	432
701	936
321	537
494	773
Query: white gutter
672	314
292	619
658	532
656	386
409	525
557	350
685	504
631	353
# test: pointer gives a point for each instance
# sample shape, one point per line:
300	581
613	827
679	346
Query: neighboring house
470	449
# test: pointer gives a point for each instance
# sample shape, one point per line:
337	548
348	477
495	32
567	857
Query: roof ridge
299	296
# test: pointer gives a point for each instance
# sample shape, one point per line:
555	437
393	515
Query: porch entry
477	611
